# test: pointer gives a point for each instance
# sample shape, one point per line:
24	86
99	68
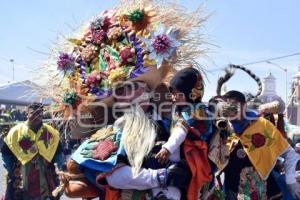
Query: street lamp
286	79
13	68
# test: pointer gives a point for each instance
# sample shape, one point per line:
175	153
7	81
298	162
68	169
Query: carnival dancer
192	128
254	148
132	138
137	41
29	153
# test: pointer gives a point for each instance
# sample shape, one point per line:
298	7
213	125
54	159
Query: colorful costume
254	153
194	118
103	156
137	41
195	147
249	149
29	158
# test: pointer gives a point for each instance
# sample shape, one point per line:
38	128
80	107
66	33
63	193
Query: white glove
295	190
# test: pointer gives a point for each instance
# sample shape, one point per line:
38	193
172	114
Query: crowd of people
11	115
146	153
129	89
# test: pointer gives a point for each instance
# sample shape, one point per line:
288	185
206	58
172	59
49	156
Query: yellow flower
118	74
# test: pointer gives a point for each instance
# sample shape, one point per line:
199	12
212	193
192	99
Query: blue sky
241	31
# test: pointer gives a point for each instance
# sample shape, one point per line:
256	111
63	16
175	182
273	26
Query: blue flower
162	44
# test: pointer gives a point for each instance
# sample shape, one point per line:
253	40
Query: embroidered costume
29	157
253	146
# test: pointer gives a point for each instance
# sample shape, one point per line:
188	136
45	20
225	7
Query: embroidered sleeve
291	158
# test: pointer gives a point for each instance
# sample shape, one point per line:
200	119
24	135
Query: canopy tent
21	93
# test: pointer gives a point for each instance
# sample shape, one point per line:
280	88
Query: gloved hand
294	188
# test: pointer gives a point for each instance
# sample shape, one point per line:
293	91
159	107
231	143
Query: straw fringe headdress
144	40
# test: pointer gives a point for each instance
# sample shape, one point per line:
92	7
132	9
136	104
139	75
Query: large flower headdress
135	38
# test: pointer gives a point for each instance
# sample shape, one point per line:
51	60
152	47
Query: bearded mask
228	110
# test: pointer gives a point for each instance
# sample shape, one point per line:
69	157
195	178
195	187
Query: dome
270	76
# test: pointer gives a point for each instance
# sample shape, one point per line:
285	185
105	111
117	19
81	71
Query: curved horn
252	75
223	79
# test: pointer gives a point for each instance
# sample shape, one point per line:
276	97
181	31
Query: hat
189	81
136	41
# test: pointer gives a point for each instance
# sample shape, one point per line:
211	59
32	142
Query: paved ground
2	178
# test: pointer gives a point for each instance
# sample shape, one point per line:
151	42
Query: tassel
272	119
58	190
64	181
280	125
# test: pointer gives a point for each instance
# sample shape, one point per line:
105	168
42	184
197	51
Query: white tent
21	93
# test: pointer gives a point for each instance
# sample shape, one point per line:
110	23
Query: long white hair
139	134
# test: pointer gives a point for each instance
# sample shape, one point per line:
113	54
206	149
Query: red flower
127	55
25	143
104	149
258	140
98	36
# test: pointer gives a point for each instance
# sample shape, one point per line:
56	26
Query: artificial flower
136	16
25	143
114	33
89	52
100	23
138	20
118	74
162	44
127	55
98	36
93	79
65	62
70	98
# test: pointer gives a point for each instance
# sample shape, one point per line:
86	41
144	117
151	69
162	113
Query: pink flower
98	36
161	43
65	62
94	79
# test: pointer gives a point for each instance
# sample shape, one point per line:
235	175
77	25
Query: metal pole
286	87
286	79
13	69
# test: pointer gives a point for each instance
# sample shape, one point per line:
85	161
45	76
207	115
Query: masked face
133	93
178	97
230	109
35	116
